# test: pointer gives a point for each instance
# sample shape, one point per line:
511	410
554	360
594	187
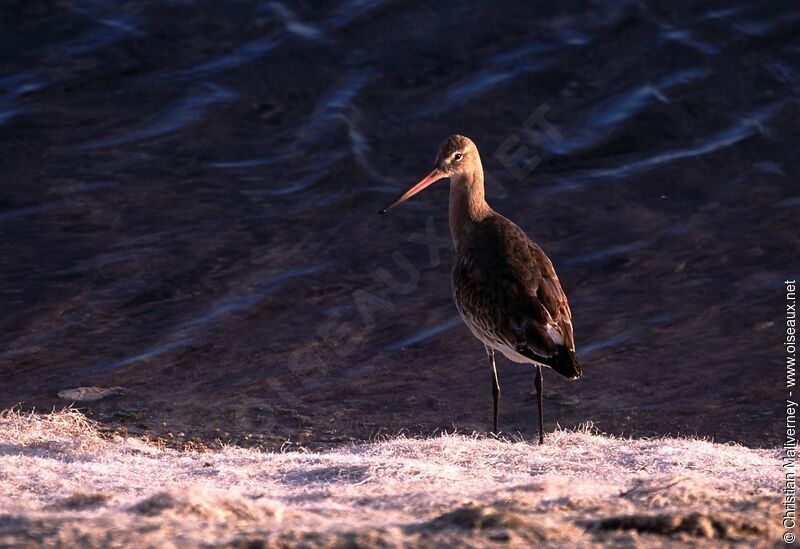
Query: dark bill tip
427	181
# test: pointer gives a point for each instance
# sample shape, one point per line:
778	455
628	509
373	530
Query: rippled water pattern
189	198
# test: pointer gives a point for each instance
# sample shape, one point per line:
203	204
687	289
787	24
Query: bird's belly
481	327
481	324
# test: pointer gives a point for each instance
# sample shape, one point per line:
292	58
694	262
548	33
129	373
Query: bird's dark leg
495	386
537	382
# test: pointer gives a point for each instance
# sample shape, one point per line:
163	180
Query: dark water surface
189	197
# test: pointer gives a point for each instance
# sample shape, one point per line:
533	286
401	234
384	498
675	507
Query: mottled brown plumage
504	286
508	293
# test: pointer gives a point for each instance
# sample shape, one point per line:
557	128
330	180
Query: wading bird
504	286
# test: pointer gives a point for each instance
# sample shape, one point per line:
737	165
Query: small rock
90	394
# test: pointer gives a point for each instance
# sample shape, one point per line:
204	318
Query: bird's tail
566	363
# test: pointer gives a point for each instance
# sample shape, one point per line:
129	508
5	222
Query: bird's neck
467	205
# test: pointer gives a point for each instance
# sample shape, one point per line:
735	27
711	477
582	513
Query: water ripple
150	353
601	254
288	187
651	321
241	56
248	163
748	126
24	212
124	23
475	86
352	10
617	110
426	334
293	24
686	38
223	308
187	111
331	107
14	86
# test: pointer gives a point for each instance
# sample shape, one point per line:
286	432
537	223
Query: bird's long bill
427	181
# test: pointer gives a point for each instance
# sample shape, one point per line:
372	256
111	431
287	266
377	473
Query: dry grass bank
61	482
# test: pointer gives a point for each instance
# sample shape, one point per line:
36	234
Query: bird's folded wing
515	298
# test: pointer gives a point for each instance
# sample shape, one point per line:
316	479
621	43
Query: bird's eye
457	157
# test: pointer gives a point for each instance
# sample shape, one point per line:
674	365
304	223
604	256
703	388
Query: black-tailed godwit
504	286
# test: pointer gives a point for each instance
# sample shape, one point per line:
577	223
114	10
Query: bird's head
458	156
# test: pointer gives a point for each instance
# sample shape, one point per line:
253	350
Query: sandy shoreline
63	483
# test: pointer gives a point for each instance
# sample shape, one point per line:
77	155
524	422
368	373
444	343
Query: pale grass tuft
59	429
